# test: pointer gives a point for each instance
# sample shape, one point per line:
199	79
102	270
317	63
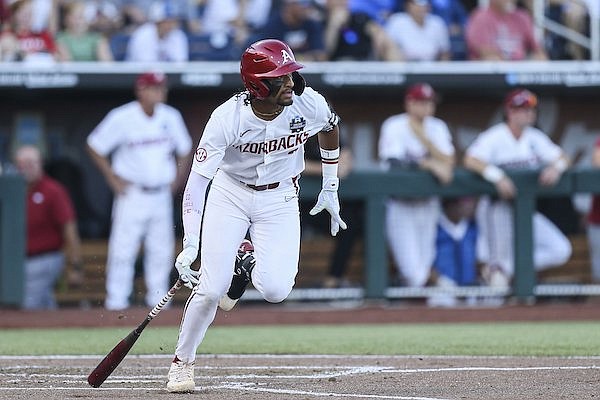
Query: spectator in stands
455	261
573	14
501	31
161	39
21	43
511	145
419	35
52	234
356	36
593	226
415	140
77	42
103	16
454	14
346	238
222	28
301	26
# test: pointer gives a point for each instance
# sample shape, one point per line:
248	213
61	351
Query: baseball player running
516	144
148	142
415	139
252	149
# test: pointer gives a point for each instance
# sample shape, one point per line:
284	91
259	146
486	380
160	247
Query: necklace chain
262	114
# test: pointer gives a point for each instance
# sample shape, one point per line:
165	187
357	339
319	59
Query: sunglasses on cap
522	99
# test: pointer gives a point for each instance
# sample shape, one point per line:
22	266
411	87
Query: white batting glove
184	260
328	200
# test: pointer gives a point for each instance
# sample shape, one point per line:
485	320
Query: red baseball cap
420	91
151	79
520	98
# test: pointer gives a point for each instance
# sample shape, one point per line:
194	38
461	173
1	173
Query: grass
519	339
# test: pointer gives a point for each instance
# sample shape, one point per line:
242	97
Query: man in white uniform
253	150
415	139
516	144
148	142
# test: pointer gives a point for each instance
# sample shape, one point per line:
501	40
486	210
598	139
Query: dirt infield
264	377
281	377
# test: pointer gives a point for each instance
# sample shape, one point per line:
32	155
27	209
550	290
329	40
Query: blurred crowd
48	31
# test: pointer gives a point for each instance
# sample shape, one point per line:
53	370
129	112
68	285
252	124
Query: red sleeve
49	41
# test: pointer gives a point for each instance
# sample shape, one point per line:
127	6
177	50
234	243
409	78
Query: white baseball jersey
411	225
256	151
397	140
144	146
498	146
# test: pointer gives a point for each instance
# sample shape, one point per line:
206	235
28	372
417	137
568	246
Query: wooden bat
118	353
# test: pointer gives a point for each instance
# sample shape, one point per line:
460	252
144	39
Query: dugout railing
372	188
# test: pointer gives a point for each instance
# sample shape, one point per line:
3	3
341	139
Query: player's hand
328	200
506	188
183	263
549	176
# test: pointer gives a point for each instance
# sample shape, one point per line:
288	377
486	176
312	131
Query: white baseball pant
147	217
231	209
550	246
411	227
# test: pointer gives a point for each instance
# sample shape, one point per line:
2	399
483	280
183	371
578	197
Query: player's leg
550	246
403	236
123	247
500	238
275	233
593	237
426	215
224	225
159	246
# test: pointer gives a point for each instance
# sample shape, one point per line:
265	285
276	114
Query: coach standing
148	143
52	233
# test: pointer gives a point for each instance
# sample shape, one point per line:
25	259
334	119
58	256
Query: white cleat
181	377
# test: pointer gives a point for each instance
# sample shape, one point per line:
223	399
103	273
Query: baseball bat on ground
118	353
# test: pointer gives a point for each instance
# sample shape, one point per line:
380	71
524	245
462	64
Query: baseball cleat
244	263
181	377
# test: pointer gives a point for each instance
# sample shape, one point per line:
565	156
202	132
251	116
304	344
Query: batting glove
328	200
184	260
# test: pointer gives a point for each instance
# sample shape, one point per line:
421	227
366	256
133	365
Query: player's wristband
561	165
330	156
492	174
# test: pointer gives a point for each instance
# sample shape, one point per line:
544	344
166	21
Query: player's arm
551	174
192	209
117	184
73	253
329	142
493	174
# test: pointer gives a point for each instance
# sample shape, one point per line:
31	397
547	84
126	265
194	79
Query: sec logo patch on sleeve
200	154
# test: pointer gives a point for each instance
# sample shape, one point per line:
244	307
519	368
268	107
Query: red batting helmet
269	58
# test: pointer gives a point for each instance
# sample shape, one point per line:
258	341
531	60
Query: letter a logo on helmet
266	59
286	57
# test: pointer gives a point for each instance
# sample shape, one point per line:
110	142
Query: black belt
152	189
260	188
